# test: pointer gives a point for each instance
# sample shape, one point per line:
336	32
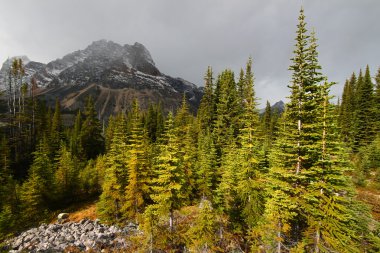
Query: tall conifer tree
92	140
250	188
137	190
226	124
307	179
376	102
364	131
168	192
207	106
116	176
295	151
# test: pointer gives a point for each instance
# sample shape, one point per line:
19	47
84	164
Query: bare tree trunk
14	100
298	147
317	239
171	221
151	241
10	93
279	238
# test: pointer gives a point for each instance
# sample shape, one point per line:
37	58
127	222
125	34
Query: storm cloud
184	37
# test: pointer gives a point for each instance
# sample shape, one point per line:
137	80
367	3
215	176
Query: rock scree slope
83	236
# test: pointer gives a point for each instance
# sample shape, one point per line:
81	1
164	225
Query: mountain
113	74
278	106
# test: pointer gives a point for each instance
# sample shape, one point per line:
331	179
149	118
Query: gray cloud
184	37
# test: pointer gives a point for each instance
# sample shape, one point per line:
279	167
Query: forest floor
372	198
87	209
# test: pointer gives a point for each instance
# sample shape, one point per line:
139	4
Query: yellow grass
78	212
88	212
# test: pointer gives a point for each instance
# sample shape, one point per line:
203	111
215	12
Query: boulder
63	216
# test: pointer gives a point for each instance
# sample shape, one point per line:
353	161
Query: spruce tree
250	189
75	136
226	192
56	130
203	234
351	109
364	130
112	198
206	107
295	151
37	192
168	186
186	137
376	102
108	135
66	174
91	177
43	170
226	124
31	197
267	123
92	140
205	166
240	85
346	110
8	196
311	207
333	214
137	190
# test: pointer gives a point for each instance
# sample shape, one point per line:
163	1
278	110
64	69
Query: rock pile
83	235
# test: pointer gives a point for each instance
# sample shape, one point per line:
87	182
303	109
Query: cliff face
113	74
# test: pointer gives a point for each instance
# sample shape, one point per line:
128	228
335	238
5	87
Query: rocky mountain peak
279	106
141	51
104	48
113	74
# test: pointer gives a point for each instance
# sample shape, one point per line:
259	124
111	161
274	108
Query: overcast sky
186	36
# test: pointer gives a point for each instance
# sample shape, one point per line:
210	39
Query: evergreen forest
228	179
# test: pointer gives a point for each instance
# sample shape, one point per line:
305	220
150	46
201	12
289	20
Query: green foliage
367	164
137	190
7	220
91	177
75	137
42	170
56	130
376	102
154	122
203	235
66	175
311	203
364	118
206	108
226	124
92	140
226	191
32	198
205	165
186	132
116	175
168	193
